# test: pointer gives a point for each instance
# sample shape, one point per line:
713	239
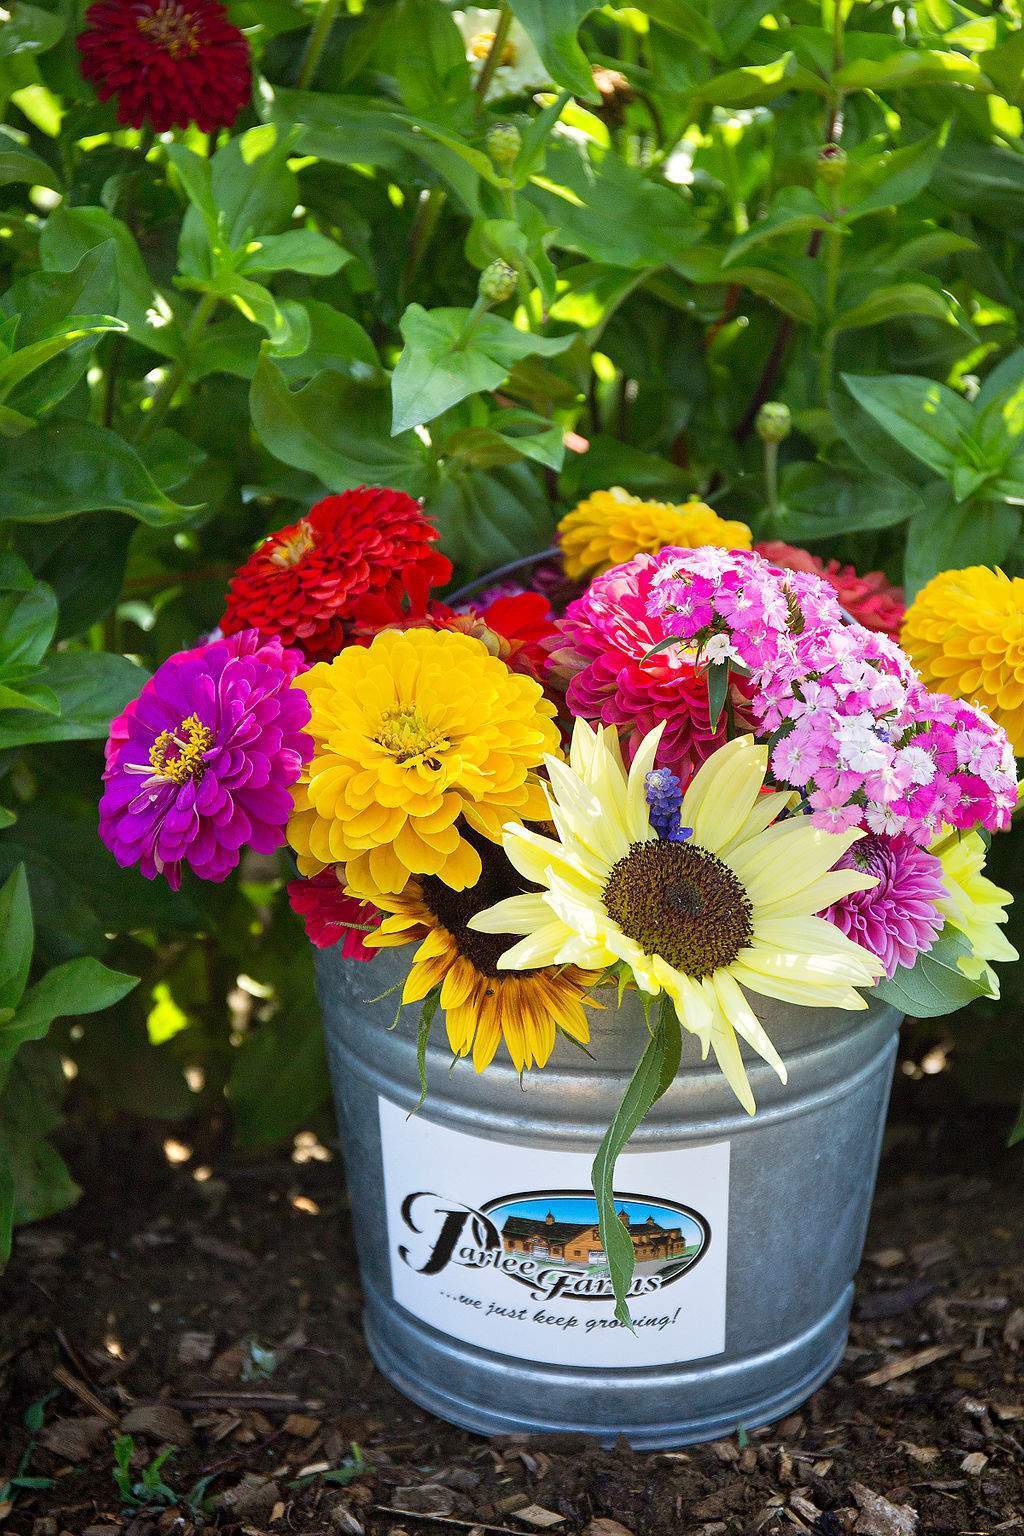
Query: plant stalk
175	378
494	54
318	35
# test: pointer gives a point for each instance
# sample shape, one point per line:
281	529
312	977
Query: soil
214	1306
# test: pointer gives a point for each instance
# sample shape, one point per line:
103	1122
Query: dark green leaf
553	25
440	365
656	1070
718	690
91	688
67	466
278	1079
936	985
924	417
16	937
945	536
337	430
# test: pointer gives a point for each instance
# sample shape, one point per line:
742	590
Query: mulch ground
215	1307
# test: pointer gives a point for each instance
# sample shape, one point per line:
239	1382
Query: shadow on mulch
216	1309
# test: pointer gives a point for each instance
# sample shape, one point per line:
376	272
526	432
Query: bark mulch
215	1309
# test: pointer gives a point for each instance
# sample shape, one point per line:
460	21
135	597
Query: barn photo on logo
562	1229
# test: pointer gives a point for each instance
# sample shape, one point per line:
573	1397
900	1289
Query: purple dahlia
897	920
202	762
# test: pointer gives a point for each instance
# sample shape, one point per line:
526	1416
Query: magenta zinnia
169	62
898	918
200	765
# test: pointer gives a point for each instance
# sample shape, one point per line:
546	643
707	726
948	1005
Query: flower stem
421	234
473	319
318	35
771	479
494	54
176	377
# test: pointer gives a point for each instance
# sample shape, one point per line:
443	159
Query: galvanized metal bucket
486	1298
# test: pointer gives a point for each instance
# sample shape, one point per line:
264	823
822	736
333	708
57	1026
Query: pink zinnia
870	599
601	656
200	765
330	916
897	920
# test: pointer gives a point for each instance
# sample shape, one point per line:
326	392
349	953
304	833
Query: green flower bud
497	282
774	422
832	164
504	141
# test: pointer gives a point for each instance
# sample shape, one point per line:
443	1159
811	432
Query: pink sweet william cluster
854	729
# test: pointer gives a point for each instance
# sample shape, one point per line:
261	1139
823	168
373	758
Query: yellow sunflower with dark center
483	1005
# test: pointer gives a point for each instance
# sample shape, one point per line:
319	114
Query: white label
497	1244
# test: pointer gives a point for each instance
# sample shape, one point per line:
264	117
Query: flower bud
832	164
497	282
774	422
504	141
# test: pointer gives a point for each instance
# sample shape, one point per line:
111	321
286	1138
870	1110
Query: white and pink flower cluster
853	728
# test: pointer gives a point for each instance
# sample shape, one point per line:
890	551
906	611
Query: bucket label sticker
498	1244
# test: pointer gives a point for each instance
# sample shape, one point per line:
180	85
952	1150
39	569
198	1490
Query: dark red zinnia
354	564
331	917
169	62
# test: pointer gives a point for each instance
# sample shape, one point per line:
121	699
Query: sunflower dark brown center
453	909
681	903
172	28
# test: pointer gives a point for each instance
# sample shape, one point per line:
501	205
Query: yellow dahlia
414	734
482	1004
964	632
610	527
975	906
729	910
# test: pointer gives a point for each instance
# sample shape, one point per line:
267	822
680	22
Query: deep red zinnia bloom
869	599
331	917
169	62
354	564
512	628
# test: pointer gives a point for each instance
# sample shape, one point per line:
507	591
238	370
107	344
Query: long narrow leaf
656	1070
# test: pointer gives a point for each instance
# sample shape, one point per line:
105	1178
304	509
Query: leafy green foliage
199	337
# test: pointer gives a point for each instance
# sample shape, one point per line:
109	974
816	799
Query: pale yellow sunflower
731	910
483	1005
417	735
612	526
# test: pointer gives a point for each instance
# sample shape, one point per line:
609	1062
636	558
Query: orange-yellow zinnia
413	733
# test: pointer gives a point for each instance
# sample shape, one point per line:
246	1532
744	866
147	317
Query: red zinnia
168	62
331	917
354	564
512	628
869	599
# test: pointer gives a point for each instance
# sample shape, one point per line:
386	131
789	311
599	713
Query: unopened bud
497	282
504	141
832	164
774	422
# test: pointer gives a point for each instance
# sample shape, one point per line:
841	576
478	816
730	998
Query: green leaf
336	342
785	292
278	1079
822	503
297	250
440	366
28	623
553	25
945	536
936	985
488	519
929	420
337	430
718	690
684	20
27	360
892	302
755	85
77	987
795	211
654	1074
29	1111
67	466
29	29
90	688
70	233
908	67
427	1012
16	937
892	177
18	164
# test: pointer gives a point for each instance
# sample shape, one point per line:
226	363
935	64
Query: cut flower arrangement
708	773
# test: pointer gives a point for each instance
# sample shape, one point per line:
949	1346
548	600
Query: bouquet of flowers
671	762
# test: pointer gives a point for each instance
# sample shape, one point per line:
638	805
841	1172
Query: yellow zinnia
412	733
731	909
964	632
975	906
612	526
483	1006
